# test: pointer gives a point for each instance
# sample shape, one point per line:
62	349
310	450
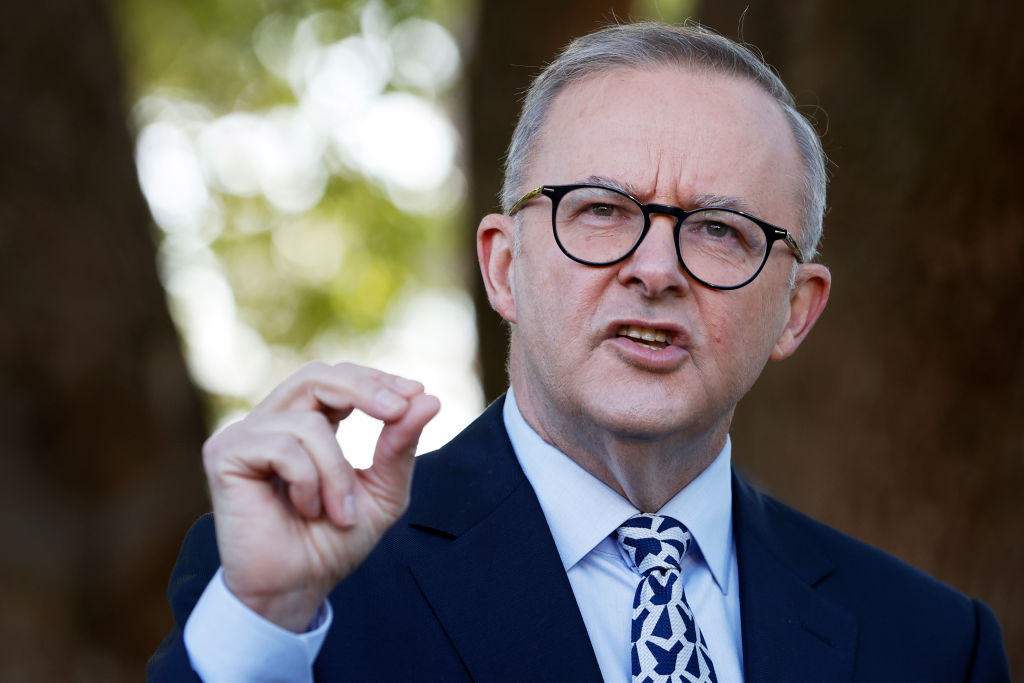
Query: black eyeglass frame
555	193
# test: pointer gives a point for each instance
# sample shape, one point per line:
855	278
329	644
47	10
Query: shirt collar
582	511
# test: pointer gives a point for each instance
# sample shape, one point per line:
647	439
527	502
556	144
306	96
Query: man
663	201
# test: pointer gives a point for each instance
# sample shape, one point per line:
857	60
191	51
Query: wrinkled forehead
672	132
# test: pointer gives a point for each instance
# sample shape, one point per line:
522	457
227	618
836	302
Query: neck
646	469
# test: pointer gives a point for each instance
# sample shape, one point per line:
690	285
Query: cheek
722	316
761	325
742	332
717	333
560	294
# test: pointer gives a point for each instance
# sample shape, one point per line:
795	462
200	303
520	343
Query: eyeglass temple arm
794	246
525	198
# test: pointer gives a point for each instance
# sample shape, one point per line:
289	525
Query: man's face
672	137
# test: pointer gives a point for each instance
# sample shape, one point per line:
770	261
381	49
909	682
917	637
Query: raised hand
293	518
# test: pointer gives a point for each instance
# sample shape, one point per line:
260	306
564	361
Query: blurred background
196	196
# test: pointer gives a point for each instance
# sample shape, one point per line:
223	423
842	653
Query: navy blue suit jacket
468	585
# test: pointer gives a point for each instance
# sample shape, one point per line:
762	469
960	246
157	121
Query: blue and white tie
667	644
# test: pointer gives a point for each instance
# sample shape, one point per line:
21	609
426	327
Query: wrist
293	610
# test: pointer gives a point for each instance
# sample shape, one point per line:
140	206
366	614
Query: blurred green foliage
206	46
336	266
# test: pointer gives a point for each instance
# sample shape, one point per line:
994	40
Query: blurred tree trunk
513	42
101	425
899	420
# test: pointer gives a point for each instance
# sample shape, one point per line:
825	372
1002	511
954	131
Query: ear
495	240
807	300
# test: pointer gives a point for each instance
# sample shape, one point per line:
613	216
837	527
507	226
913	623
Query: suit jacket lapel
791	632
500	592
499	588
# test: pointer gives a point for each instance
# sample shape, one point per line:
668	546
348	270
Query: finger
293	393
337	390
244	455
406	387
392	467
306	499
316	434
378	394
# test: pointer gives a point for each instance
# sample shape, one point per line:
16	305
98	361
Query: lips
649	345
652	338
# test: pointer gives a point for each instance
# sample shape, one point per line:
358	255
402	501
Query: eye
602	210
717	229
597	208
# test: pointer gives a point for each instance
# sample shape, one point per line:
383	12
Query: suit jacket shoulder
854	612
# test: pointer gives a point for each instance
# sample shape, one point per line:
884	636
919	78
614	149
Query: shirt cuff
227	641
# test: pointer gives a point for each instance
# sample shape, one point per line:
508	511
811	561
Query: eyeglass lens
718	246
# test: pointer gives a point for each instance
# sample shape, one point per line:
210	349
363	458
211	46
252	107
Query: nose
654	267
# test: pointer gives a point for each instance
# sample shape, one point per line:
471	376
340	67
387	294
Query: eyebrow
701	201
721	201
628	188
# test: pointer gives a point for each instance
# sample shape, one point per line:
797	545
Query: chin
648	422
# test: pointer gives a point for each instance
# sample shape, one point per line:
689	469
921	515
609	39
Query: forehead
674	134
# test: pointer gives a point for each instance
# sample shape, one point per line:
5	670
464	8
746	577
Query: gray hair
650	44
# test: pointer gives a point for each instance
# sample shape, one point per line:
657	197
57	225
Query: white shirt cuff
227	641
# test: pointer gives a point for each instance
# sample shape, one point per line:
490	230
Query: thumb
393	457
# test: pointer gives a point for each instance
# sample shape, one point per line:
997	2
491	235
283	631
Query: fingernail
348	509
390	400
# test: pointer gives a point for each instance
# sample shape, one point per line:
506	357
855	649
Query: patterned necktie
667	644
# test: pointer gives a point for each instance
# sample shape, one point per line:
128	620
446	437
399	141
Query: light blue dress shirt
583	514
226	641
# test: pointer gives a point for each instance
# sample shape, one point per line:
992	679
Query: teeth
646	334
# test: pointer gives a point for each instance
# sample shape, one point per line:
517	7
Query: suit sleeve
196	565
989	664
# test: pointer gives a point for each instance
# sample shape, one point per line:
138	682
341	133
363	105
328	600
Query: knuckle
211	454
335	466
311	421
312	368
304	487
217	446
347	373
279	444
354	374
289	458
370	385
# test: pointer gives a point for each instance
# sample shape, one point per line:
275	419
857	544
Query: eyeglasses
598	226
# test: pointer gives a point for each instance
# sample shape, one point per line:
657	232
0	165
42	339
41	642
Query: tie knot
654	542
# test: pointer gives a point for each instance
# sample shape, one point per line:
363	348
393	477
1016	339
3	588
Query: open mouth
645	336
